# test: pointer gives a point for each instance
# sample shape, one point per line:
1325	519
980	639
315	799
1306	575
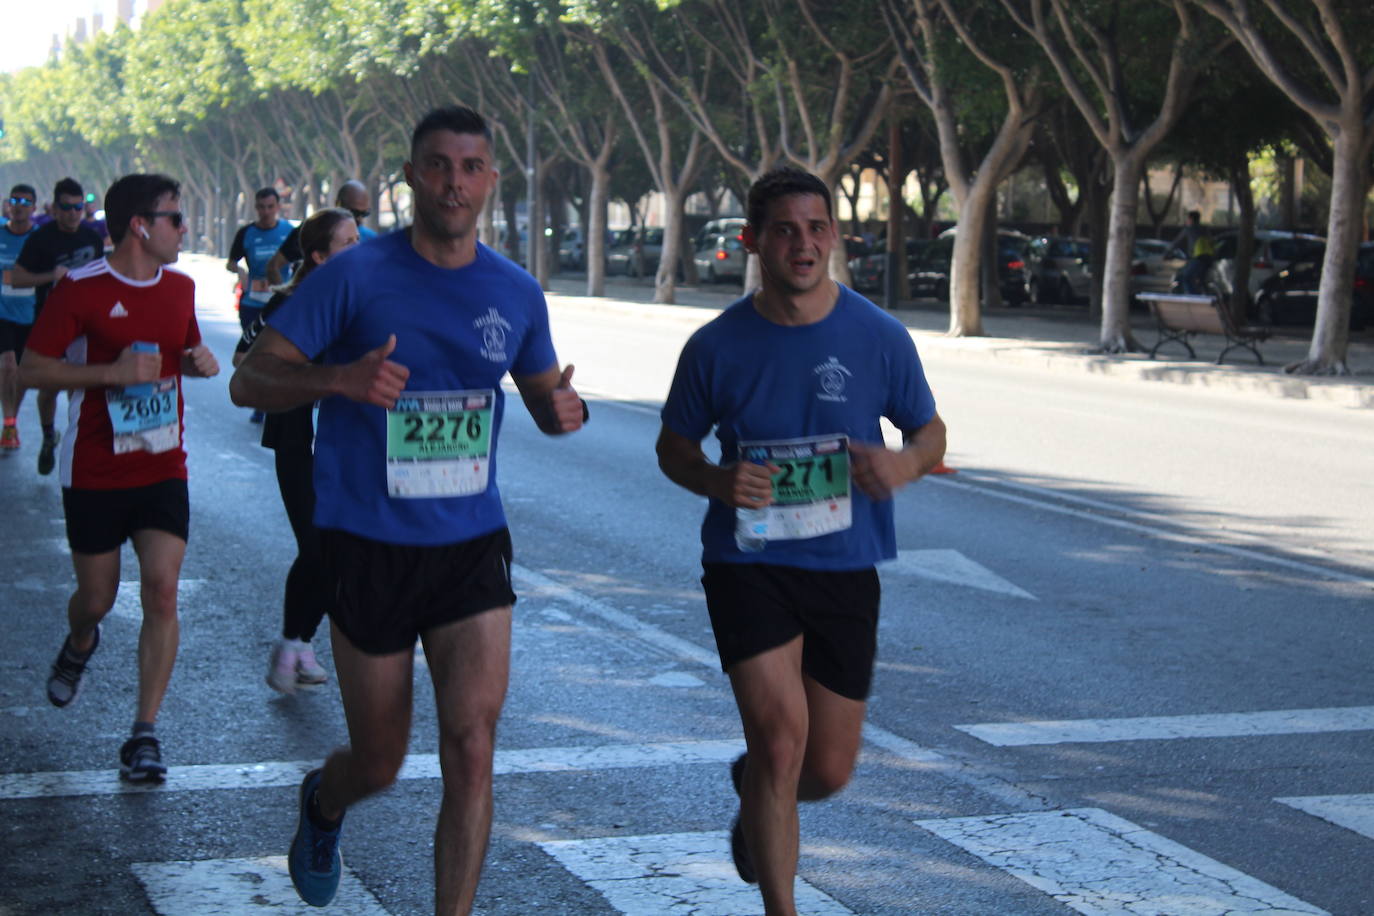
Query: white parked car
1274	251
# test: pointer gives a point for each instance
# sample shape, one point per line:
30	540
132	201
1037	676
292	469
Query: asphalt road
1168	591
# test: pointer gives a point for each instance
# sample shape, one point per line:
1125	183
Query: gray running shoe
64	681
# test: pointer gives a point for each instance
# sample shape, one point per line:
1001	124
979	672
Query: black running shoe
47	457
140	760
739	849
64	682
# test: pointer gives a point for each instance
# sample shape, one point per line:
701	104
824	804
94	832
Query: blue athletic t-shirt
16	305
754	380
456	330
256	247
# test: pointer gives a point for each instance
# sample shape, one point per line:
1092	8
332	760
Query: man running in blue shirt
16	309
794	379
413	333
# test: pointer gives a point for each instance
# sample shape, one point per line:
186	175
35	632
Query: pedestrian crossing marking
1097	863
674	873
952	567
1354	812
261	885
129	603
518	761
1154	728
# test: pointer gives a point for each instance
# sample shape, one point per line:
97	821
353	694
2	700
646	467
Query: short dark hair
455	118
267	192
68	186
1194	216
24	189
132	196
783	182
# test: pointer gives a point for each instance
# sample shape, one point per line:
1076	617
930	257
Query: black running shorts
386	595
99	521
755	607
14	337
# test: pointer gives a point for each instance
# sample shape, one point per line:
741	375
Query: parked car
722	257
622	258
572	251
1057	269
1274	251
869	270
929	277
1289	297
1154	265
725	225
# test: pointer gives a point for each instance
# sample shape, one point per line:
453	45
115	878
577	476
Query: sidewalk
1062	339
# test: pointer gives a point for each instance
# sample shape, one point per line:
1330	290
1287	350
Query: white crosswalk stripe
673	873
1097	863
228	887
1149	728
1354	812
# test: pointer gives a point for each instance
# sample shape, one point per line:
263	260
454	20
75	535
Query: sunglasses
70	207
173	215
21	201
360	214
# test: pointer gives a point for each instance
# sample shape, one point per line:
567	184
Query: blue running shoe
314	859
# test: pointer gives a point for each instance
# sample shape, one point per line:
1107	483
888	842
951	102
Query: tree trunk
1116	281
1331	333
665	281
965	307
1239	303
594	241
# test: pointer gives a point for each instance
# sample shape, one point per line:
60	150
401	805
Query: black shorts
755	607
99	521
13	337
386	595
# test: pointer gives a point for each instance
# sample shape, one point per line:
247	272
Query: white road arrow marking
953	567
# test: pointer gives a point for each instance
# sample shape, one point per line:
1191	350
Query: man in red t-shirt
120	333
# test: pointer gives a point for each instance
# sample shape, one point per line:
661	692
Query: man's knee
159	597
377	769
824	776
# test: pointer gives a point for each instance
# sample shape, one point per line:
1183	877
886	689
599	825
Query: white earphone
143	231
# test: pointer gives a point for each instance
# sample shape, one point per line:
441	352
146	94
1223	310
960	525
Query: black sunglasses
21	201
360	215
173	215
70	207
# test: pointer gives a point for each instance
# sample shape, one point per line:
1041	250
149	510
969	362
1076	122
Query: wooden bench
1179	316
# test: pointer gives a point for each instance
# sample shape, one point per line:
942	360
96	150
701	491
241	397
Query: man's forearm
59	375
268	382
23	279
925	448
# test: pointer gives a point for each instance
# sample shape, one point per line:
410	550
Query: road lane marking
1153	728
242	886
270	774
673	873
1353	812
953	567
1097	863
1207	542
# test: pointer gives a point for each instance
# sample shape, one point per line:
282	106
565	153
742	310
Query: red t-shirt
91	316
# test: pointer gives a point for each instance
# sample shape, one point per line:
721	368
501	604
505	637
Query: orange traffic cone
943	468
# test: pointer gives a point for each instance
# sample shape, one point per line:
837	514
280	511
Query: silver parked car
1057	269
1154	265
721	257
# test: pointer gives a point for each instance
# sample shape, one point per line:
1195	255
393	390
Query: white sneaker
281	670
308	670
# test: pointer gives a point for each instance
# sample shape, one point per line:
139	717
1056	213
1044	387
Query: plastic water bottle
748	530
750	523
